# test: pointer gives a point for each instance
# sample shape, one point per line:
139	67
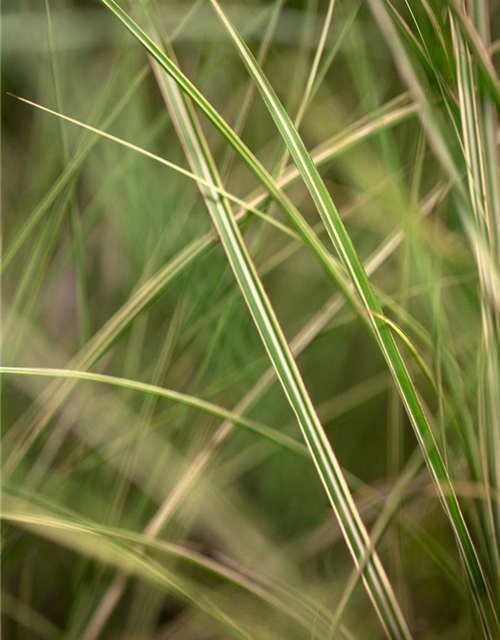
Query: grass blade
33	424
280	354
167	163
348	255
169	394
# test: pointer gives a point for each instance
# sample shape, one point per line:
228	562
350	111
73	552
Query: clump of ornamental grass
251	320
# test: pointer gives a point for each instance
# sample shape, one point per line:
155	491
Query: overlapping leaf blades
381	331
330	473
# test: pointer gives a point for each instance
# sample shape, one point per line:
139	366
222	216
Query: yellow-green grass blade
250	90
35	511
316	62
165	162
284	364
112	551
422	53
440	142
488	141
272	435
298	345
481	178
301	341
478	48
36	421
487	268
244	153
340	239
334	49
389	509
392	114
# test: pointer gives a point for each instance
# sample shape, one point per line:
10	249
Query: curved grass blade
281	356
327	262
36	420
27	509
381	331
298	345
302	340
111	551
163	161
272	435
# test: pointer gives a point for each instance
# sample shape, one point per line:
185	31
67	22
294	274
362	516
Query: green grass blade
279	352
28	509
348	255
250	91
34	423
284	203
169	394
480	51
298	345
111	550
481	177
316	63
171	165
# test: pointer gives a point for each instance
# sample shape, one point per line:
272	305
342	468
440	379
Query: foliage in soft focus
250	320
